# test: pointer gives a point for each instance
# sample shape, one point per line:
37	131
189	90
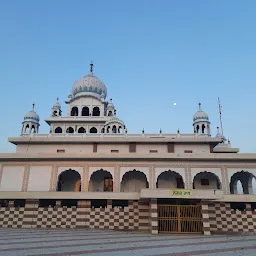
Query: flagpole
221	127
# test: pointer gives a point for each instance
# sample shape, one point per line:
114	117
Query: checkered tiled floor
68	242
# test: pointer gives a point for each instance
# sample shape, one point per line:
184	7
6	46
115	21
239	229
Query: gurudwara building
89	172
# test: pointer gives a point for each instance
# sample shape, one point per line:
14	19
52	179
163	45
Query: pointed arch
96	111
70	130
170	179
81	130
114	130
74	111
85	111
93	130
246	178
27	128
133	181
68	181
101	181
206	180
58	130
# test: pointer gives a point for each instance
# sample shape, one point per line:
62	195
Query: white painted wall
12	178
39	178
179	148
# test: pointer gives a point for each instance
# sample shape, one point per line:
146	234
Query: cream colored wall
85	148
39	178
179	148
145	148
106	148
12	178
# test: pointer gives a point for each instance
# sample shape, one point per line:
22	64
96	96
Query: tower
56	109
201	122
31	122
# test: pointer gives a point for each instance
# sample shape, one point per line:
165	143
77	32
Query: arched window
206	180
74	111
203	128
81	130
70	130
114	129
108	129
197	129
102	130
96	111
120	129
85	111
33	129
93	130
58	130
110	113
27	128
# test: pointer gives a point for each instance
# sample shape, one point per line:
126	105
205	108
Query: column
53	181
188	178
225	180
116	178
85	179
152	178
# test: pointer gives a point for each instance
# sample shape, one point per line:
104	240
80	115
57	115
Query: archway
206	180
58	130
101	181
247	181
85	111
81	130
170	179
27	128
70	130
93	130
69	180
96	111
133	181
33	129
114	129
74	111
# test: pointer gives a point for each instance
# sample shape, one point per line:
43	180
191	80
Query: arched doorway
242	179
101	181
69	180
206	180
170	179
133	181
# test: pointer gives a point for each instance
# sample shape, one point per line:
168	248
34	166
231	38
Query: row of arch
85	111
134	181
108	129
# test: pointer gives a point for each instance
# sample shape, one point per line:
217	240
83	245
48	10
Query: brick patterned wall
224	219
133	217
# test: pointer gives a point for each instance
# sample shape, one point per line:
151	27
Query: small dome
57	104
89	85
32	115
114	119
200	115
110	104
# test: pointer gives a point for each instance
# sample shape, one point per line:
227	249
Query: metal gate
179	219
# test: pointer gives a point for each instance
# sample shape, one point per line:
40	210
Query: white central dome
89	85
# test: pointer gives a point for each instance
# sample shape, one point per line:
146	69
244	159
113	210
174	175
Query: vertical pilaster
25	178
188	178
152	180
53	182
206	218
85	179
1	172
153	216
116	185
225	180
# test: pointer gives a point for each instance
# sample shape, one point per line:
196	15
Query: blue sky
149	54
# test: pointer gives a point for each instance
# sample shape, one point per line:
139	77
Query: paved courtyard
67	242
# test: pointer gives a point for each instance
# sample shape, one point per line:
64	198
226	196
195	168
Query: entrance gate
179	219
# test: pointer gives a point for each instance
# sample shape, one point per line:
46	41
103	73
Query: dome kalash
89	85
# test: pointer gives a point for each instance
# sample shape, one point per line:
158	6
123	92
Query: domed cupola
111	111
114	125
89	85
31	122
201	122
56	109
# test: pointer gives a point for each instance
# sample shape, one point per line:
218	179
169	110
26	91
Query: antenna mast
221	127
